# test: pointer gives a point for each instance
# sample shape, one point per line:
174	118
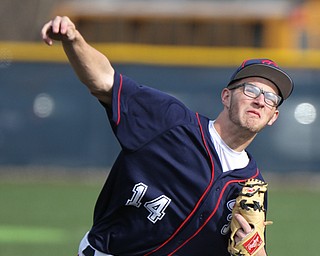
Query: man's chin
252	126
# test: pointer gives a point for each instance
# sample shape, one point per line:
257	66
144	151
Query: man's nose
260	100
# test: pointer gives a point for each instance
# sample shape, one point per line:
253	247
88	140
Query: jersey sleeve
140	113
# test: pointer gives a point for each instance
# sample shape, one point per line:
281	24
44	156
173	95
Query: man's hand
248	220
59	29
244	231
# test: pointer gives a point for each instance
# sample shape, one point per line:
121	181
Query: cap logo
269	62
262	61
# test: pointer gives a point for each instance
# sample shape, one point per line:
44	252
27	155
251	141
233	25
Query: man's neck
237	138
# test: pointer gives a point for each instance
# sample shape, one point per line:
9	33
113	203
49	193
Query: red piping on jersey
199	201
213	212
118	98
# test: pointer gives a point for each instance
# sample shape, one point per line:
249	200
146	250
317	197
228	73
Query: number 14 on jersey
155	207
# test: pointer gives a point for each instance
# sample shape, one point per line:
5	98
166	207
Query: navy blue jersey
166	193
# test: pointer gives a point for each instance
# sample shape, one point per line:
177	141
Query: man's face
252	114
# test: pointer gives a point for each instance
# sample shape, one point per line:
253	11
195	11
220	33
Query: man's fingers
243	223
59	28
64	25
240	234
56	25
44	33
244	229
50	29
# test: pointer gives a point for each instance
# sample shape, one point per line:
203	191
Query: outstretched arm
91	66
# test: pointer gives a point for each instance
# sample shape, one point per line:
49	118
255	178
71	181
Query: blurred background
56	146
188	48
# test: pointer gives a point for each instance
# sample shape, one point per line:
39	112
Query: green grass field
50	217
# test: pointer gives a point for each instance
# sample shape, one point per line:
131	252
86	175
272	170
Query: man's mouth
255	113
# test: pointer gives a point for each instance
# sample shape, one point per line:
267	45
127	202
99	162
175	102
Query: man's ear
226	97
274	117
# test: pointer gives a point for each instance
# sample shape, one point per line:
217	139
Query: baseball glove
249	204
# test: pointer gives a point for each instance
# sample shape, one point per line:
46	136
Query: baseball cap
267	69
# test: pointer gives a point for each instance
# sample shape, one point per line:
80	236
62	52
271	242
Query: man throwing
172	188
